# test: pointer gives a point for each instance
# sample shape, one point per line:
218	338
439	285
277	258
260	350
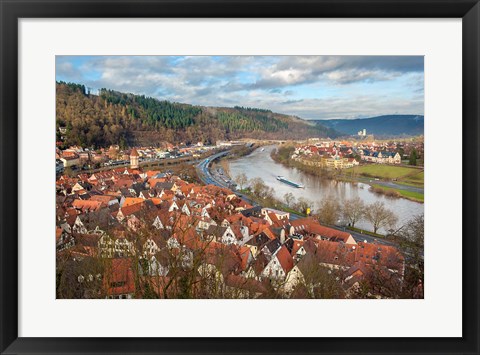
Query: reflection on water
260	164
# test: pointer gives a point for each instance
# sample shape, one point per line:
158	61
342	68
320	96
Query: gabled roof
310	225
254	211
123	183
273	245
225	258
276	222
139	185
217	231
104	199
258	240
131	209
269	233
297	244
160	238
236	229
132	201
285	259
334	253
163	186
245	254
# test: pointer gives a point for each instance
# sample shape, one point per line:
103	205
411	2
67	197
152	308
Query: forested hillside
126	119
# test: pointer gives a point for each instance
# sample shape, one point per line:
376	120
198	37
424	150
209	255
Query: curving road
204	173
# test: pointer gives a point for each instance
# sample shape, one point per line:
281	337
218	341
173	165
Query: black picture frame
11	11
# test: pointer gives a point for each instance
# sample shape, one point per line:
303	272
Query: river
260	164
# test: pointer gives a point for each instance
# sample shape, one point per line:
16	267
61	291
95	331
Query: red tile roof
310	225
244	255
128	210
297	244
244	283
119	277
87	205
285	259
58	233
132	201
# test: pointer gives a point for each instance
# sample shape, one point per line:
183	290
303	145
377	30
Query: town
347	154
132	233
76	158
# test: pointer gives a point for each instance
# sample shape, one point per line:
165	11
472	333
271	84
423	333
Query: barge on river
291	183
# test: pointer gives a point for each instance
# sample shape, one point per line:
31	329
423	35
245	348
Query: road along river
260	164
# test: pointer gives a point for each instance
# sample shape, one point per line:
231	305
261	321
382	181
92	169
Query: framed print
251	177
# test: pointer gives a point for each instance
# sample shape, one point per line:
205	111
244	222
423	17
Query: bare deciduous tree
329	211
353	210
411	240
319	281
303	204
260	189
289	199
257	185
242	180
379	216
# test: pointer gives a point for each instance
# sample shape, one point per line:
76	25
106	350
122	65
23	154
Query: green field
413	179
411	195
409	176
383	171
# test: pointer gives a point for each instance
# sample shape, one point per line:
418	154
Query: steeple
134	159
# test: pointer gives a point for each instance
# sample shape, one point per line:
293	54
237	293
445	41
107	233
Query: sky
311	87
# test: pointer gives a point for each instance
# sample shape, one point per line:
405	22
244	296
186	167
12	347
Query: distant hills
388	125
126	119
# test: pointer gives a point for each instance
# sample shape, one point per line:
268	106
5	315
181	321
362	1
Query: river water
260	164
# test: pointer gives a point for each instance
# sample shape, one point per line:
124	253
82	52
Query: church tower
134	159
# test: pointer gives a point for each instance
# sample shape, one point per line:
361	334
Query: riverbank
271	202
234	153
282	155
393	192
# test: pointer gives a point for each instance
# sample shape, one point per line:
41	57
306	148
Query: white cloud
307	86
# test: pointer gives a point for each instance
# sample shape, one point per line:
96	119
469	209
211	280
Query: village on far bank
125	231
391	167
